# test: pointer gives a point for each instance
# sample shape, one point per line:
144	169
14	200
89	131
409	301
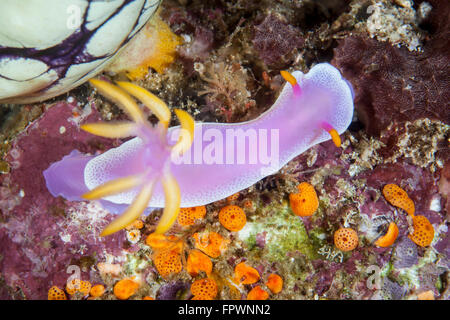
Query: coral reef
253	245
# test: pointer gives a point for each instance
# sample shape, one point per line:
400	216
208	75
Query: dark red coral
393	84
274	39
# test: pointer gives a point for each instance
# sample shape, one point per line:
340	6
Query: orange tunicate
211	243
423	231
136	224
148	298
168	261
160	241
305	202
85	287
399	198
73	286
427	295
187	216
248	204
55	293
97	291
257	293
198	261
389	238
232	217
204	289
244	274
274	283
125	288
233	197
346	239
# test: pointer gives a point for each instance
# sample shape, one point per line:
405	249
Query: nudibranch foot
157	165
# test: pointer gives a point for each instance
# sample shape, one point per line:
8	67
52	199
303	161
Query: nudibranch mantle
223	158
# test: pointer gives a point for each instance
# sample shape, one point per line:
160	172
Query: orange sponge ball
198	261
346	239
305	202
423	231
211	243
257	293
244	274
275	283
399	198
125	288
204	289
232	218
55	293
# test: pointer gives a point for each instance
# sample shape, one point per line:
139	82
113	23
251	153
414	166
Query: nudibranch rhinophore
198	163
48	47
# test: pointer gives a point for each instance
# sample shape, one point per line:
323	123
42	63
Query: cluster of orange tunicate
167	253
423	233
76	285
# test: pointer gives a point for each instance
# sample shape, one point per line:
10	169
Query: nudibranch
198	163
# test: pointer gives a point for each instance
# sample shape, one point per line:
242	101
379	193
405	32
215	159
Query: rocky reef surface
396	56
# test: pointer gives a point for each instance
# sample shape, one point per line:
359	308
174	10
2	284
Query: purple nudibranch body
218	163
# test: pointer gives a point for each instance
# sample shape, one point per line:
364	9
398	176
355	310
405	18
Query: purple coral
392	84
392	290
405	254
273	39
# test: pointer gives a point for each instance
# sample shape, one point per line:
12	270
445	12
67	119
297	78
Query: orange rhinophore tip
389	238
125	288
168	261
97	291
275	283
204	289
399	198
346	239
187	216
211	243
244	274
333	133
232	218
198	261
305	202
423	231
55	293
257	293
288	77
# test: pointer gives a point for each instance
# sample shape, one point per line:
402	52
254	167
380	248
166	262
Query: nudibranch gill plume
198	163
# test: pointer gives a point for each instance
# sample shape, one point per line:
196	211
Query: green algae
285	233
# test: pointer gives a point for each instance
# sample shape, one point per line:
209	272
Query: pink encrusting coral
224	158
